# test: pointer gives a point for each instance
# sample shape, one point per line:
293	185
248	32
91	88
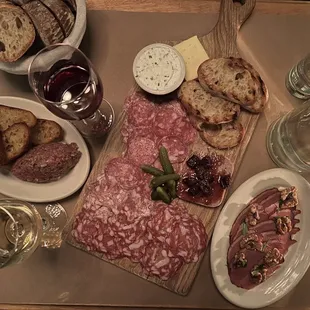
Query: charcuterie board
220	42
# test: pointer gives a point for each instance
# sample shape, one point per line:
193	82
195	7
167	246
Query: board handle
233	13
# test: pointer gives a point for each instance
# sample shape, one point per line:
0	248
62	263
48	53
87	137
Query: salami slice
142	151
136	250
177	150
188	240
141	113
132	98
157	262
184	130
120	171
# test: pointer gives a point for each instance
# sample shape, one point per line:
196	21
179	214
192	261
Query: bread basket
20	67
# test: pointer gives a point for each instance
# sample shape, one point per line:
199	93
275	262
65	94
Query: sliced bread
10	116
211	109
16	140
20	2
224	136
262	91
46	24
3	157
228	78
45	131
17	32
62	13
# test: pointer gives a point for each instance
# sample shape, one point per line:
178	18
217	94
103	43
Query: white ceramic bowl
20	67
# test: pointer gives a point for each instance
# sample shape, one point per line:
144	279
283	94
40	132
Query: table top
184	6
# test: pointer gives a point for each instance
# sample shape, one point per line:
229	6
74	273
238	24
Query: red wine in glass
64	80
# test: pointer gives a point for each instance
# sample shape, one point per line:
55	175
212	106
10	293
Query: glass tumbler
298	79
288	142
65	81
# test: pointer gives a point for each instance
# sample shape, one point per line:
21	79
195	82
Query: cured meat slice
177	150
142	151
136	250
122	172
157	262
132	98
141	112
185	130
188	240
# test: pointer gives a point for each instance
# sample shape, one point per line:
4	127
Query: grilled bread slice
62	13
224	136
45	131
16	140
211	109
17	32
229	79
10	116
45	22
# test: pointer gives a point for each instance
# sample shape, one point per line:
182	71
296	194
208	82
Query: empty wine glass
65	81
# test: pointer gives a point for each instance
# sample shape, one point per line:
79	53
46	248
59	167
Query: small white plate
47	192
297	260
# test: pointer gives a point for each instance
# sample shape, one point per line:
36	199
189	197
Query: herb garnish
244	228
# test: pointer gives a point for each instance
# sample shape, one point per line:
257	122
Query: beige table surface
206	6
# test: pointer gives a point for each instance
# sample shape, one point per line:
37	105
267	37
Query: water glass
288	140
65	81
298	79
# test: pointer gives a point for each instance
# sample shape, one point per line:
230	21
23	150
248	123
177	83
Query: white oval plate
297	259
47	192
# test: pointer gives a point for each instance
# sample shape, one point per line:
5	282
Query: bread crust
210	109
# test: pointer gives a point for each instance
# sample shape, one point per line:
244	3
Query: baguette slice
224	136
62	13
16	140
45	131
229	79
10	116
17	32
45	23
211	109
3	157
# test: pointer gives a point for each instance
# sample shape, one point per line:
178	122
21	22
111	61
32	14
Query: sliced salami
177	150
141	113
142	151
156	261
121	171
132	98
184	129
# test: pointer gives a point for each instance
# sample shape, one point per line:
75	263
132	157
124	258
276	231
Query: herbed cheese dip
159	69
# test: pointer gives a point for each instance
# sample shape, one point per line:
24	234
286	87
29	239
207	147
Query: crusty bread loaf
45	22
62	13
223	136
229	79
45	131
10	116
211	109
17	32
16	140
3	157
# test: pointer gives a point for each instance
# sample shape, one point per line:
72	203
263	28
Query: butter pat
193	54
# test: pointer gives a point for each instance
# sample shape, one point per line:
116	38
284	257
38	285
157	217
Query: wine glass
65	81
23	229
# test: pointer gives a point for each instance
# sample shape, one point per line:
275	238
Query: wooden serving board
220	42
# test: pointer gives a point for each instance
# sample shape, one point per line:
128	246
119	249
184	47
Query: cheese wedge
193	54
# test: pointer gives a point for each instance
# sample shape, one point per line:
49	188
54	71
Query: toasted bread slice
17	32
10	116
45	131
224	136
262	91
211	109
3	157
229	79
16	140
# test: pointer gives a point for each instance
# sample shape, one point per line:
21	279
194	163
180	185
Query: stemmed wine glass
65	81
23	229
